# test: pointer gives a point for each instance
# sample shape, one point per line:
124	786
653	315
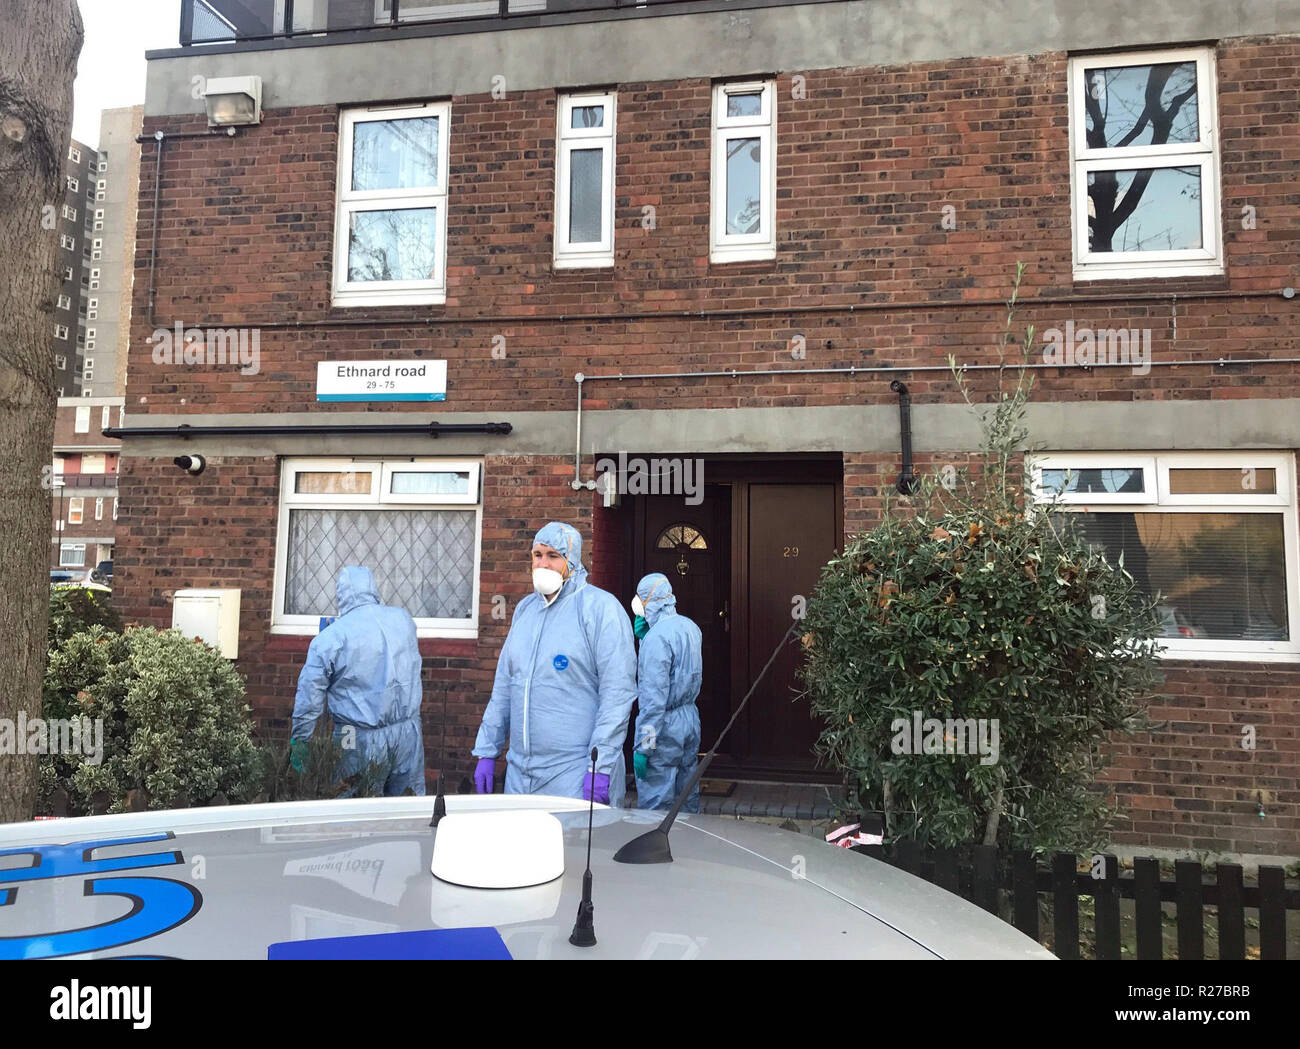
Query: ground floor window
1214	534
72	555
416	524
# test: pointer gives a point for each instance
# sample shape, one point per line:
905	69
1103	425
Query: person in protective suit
669	670
565	683
365	666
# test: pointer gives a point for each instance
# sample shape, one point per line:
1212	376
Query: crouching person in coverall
670	667
565	683
365	667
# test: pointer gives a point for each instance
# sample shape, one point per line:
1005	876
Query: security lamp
233	101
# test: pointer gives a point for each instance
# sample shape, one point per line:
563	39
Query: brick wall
865	164
1190	785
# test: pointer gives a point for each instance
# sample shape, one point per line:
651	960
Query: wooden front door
691	545
792	531
737	562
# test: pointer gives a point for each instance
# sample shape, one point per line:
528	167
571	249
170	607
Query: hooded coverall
670	667
565	682
365	666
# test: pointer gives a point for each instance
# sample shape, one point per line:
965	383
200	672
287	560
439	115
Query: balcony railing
231	21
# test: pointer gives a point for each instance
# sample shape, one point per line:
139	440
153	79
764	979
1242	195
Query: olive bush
994	628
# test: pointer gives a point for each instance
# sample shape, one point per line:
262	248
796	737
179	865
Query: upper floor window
584	181
744	172
73	184
1145	168
65	302
68	244
390	228
81	424
74	154
1213	534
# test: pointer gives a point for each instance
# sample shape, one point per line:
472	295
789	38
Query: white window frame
115	498
69	213
104	418
742	247
1188	262
61	362
67	243
67	270
1157	500
74	154
66	548
99	508
74	185
61	332
76	509
381	473
64	302
587	254
390	293
81	422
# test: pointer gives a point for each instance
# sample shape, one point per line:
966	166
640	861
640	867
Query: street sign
381	380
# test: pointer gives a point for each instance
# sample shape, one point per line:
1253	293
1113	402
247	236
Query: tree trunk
39	44
994	816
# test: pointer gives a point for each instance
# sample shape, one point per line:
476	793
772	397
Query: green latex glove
640	627
297	754
640	764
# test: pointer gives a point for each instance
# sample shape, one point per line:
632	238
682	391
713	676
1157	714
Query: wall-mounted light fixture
233	101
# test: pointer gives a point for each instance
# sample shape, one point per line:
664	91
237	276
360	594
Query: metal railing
234	21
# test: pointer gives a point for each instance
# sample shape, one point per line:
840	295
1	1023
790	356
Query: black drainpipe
907	479
185	430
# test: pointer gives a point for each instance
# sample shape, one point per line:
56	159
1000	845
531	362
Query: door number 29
790	551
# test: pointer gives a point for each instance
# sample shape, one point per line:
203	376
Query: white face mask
638	608
547	581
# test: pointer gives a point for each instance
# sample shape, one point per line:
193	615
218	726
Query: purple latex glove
600	784
484	775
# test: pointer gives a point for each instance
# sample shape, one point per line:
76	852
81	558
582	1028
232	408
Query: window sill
1281	654
1093	271
757	253
404	297
575	262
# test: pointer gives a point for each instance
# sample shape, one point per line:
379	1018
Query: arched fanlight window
679	535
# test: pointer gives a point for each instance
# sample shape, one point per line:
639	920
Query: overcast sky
110	72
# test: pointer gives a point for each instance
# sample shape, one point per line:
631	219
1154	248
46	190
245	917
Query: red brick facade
866	163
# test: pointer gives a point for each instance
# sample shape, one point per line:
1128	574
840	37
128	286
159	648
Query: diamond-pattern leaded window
422	560
413	522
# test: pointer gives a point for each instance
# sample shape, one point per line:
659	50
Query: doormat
717	788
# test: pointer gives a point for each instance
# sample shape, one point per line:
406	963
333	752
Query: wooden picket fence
1012	885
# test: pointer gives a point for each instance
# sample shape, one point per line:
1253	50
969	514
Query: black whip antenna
584	929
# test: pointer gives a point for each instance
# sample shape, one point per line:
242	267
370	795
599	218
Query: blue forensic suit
670	667
365	666
565	682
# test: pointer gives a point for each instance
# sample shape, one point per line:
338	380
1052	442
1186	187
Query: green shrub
960	605
176	731
74	609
